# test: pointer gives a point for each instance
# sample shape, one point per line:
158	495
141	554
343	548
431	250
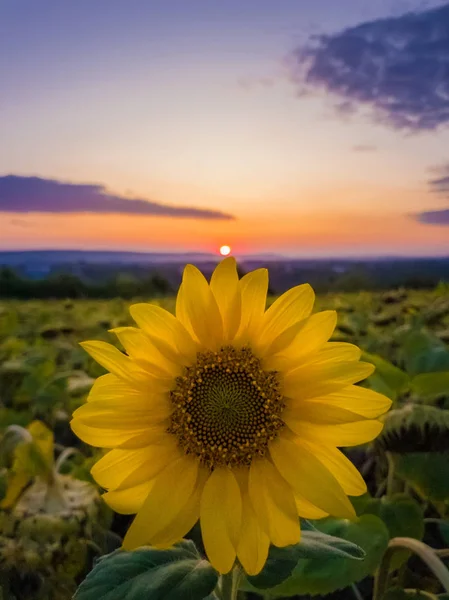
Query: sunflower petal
117	363
254	287
362	401
201	308
312	334
162	507
220	516
186	519
310	478
309	381
225	287
140	348
293	306
103	437
341	468
273	502
343	435
130	500
317	412
252	549
335	352
307	510
121	469
165	331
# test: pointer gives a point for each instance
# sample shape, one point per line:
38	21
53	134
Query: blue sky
196	106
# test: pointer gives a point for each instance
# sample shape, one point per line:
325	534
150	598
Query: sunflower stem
426	554
230	584
390	476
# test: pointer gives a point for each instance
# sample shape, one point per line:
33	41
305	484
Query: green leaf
324	575
403	517
313	545
393	377
428	473
431	384
172	574
415	428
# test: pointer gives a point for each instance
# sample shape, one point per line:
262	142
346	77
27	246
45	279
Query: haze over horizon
297	129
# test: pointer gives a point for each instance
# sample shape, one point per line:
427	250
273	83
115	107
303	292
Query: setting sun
225	250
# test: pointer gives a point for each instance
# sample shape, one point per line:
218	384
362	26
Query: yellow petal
316	412
253	287
220	516
341	468
128	468
274	503
119	414
110	386
103	437
141	349
181	313
310	478
165	331
114	361
168	497
345	434
201	308
310	336
225	287
307	510
252	549
186	519
318	379
293	306
130	500
335	352
362	401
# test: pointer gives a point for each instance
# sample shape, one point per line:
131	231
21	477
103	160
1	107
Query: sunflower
229	414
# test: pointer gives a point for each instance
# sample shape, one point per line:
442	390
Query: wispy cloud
32	194
434	217
398	67
438	184
364	148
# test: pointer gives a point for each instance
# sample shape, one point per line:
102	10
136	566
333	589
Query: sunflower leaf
324	572
415	428
313	545
178	572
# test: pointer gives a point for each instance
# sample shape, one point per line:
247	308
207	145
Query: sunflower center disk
227	408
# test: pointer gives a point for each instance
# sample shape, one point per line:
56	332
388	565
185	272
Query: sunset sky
299	127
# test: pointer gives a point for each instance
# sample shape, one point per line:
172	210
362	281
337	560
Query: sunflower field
59	539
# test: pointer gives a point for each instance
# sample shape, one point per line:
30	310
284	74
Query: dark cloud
364	148
434	217
33	194
398	67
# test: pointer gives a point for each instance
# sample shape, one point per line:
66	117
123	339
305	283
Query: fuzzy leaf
428	473
396	379
415	428
172	574
324	575
313	545
403	517
431	384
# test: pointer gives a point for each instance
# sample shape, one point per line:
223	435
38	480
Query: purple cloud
434	217
397	67
32	194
